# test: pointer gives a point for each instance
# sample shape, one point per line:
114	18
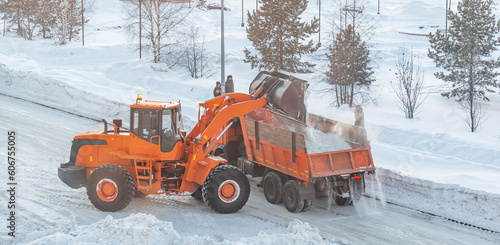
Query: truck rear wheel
355	189
110	188
226	189
291	197
307	204
273	188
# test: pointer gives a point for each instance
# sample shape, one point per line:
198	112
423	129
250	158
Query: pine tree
465	54
278	35
349	66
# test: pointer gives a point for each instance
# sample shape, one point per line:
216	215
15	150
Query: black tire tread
273	176
123	175
299	205
212	199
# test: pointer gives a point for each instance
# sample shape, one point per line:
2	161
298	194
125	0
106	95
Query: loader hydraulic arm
219	111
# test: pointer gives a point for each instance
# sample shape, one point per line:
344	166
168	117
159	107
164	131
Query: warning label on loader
11	183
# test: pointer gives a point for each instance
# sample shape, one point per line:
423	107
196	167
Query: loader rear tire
197	194
273	188
110	188
226	189
291	197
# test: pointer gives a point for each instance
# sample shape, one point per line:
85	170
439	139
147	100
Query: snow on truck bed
318	142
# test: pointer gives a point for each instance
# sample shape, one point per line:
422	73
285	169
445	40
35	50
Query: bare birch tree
410	81
197	58
159	20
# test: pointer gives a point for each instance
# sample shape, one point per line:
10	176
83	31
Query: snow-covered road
48	210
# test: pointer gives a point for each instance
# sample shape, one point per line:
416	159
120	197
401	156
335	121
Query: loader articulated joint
197	141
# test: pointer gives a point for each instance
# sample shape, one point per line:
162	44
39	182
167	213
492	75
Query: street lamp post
140	29
319	32
83	28
446	24
222	60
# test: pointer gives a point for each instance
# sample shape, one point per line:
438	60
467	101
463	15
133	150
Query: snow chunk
147	229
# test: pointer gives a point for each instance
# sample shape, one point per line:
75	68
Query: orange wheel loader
155	156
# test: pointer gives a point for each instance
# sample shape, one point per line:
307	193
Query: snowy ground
432	163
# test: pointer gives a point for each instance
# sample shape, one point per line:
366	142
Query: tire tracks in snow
45	200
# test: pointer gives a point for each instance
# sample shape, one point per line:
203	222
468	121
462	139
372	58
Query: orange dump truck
283	146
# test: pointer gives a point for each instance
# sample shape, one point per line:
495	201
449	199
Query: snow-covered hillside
431	163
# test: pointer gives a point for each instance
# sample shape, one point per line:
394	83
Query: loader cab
156	122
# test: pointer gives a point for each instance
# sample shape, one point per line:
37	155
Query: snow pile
318	142
147	229
478	208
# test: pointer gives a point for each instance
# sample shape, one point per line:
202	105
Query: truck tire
110	188
291	197
226	189
273	188
307	204
342	201
355	189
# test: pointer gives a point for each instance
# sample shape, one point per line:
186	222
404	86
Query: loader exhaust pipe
105	126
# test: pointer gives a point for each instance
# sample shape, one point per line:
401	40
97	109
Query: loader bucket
283	92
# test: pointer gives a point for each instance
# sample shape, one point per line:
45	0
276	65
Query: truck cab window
145	124
168	130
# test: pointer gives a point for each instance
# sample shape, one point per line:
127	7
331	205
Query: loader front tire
226	189
291	197
110	188
273	188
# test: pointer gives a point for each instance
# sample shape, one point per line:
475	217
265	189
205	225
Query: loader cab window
145	124
169	136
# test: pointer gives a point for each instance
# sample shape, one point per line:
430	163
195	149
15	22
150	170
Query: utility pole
378	10
446	24
319	32
242	23
222	60
83	28
140	29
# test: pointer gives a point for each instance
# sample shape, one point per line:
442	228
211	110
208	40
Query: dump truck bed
286	151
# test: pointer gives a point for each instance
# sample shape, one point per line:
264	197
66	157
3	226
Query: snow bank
147	229
478	208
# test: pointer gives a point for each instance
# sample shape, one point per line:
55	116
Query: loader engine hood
284	92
